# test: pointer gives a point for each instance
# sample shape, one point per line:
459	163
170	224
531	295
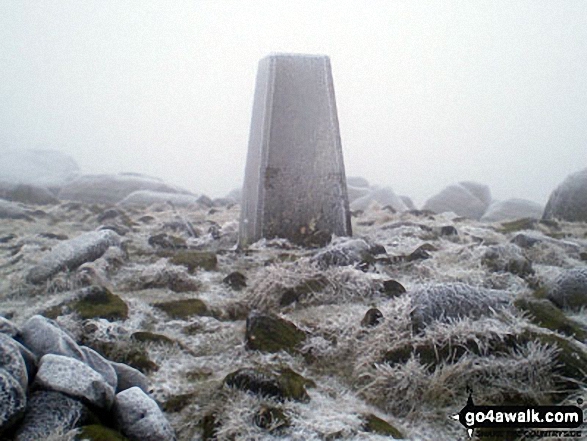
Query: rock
74	378
448	230
70	254
167	241
194	260
294	180
151	337
235	280
569	200
42	336
100	365
480	191
374	424
448	301
97	432
140	418
518	225
305	287
99	302
357	181
507	258
46	168
182	309
283	385
408	202
144	198
8	328
129	377
347	251
12	210
355	193
12	400
569	289
12	362
27	194
269	333
525	240
271	418
460	200
512	209
383	196
110	189
166	277
392	288
372	318
48	412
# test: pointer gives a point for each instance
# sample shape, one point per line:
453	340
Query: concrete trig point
295	185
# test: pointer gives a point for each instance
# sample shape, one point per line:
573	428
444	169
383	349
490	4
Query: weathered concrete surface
295	184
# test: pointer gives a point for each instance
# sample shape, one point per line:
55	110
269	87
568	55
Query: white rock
43	336
129	377
569	200
11	360
100	365
12	400
383	196
459	200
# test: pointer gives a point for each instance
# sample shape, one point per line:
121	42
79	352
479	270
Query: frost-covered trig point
295	185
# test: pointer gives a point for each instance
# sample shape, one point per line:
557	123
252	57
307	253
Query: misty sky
428	93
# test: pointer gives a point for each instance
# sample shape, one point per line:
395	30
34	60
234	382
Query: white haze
428	93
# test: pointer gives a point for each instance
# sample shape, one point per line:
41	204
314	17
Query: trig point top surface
295	184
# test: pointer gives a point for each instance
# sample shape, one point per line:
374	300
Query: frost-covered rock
110	189
12	400
140	418
11	360
74	378
507	258
100	365
511	209
347	251
49	412
42	336
569	200
12	210
355	193
569	289
48	168
463	199
408	202
8	328
383	196
26	193
70	254
144	198
129	377
480	191
444	302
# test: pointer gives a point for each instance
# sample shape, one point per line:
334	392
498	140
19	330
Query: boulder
140	418
382	196
48	412
569	289
269	333
26	194
11	360
464	200
569	200
72	253
511	209
355	193
144	198
101	365
8	328
408	202
12	400
110	189
480	191
129	377
75	379
43	336
46	168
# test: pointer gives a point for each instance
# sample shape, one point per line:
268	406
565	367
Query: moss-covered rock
374	424
182	309
392	288
302	289
235	280
285	384
526	223
543	313
176	403
99	302
151	337
372	318
97	432
194	260
269	333
271	418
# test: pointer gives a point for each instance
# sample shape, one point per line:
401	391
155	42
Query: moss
543	313
151	337
285	384
518	225
194	260
375	424
99	302
271	418
97	432
176	403
294	385
138	358
269	333
181	309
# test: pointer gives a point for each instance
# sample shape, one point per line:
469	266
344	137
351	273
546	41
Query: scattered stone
383	197
182	309
75	379
151	337
569	290
43	336
170	277
569	200
448	301
420	253
48	412
98	432
100	365
462	199
99	302
236	280
8	328
507	258
70	254
373	317
512	209
269	333
144	198
283	385
167	241
129	377
525	241
194	260
448	230
392	288
12	362
294	181
374	424
12	400
304	288
347	252
11	210
271	418
140	418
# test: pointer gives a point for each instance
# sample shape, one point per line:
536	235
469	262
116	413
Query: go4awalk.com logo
562	418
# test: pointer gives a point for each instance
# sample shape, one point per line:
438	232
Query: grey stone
129	377
480	191
346	251
12	210
355	193
12	400
459	200
8	328
47	168
408	202
507	258
383	196
27	194
295	181
43	336
49	412
100	365
75	379
449	301
110	189
511	209
70	254
140	418
11	360
144	198
569	200
357	181
569	289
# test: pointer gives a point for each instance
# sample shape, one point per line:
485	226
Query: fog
428	93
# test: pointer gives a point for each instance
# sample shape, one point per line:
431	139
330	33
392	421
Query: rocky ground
378	335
